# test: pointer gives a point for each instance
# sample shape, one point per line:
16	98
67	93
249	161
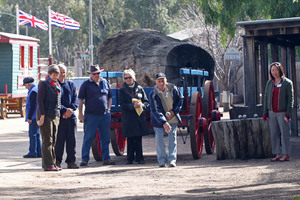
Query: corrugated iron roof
19	37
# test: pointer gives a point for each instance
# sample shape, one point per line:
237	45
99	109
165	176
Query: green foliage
109	18
225	13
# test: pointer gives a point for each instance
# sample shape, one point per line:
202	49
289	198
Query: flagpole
91	46
17	19
50	32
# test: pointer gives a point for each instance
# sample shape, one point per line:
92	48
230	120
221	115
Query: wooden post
283	60
293	72
274	52
249	69
264	66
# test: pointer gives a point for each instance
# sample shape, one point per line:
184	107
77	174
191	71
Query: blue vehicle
198	111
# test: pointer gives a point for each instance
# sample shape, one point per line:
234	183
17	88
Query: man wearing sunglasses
98	99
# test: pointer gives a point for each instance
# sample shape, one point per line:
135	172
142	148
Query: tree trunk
242	139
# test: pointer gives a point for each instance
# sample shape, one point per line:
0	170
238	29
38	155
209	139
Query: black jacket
132	123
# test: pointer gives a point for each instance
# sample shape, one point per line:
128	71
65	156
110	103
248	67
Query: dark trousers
34	139
134	145
66	134
49	133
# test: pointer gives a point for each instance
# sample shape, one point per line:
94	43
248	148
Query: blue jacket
68	98
158	114
31	104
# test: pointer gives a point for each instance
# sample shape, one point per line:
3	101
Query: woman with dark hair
278	104
133	101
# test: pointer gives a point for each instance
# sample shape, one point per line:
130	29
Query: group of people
50	112
56	122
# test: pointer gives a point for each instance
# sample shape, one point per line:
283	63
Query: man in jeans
98	99
30	117
165	104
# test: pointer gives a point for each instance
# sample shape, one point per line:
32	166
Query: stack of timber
242	139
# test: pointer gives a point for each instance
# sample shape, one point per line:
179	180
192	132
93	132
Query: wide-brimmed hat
28	80
160	75
95	69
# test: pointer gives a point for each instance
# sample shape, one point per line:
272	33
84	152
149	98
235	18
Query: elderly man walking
165	104
98	99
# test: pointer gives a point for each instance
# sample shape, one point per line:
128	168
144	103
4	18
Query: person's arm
124	103
40	101
32	108
80	116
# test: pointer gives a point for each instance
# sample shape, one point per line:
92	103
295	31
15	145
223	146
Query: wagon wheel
96	148
208	107
196	134
118	143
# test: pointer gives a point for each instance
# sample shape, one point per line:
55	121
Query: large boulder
148	52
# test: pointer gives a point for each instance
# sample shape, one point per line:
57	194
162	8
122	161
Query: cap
95	69
159	76
28	80
52	69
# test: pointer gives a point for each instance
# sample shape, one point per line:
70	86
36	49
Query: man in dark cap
30	117
98	99
165	103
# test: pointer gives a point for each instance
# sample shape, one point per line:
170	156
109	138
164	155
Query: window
22	57
30	58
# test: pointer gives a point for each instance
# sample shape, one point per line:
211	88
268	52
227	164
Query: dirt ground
205	178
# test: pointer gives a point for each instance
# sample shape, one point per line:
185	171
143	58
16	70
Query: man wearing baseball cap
165	103
98	99
30	117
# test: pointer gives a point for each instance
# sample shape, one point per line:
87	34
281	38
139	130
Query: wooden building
18	59
267	41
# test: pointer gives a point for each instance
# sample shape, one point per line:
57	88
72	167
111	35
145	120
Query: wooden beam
249	70
274	52
264	66
283	60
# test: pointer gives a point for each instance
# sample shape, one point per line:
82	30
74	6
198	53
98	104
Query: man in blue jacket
67	127
30	117
165	104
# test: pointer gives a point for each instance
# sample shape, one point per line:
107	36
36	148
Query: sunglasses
96	73
127	78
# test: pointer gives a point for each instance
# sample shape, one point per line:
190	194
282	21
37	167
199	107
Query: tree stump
242	139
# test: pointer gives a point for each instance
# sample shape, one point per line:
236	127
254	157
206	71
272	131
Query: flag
63	21
29	20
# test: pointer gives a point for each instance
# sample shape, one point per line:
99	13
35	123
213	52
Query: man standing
67	128
30	117
165	104
98	99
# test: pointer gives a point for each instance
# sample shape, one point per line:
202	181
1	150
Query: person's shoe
51	169
141	162
277	158
108	162
83	163
162	164
129	162
58	165
172	164
72	166
39	156
29	156
284	158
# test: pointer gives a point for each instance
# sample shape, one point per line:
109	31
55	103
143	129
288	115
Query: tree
209	38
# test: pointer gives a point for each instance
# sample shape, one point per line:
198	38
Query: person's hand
287	118
80	117
265	117
167	127
29	121
41	121
68	113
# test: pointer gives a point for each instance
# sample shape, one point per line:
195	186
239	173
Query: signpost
232	54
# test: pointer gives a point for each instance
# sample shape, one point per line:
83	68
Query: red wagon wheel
96	148
195	132
118	143
209	105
